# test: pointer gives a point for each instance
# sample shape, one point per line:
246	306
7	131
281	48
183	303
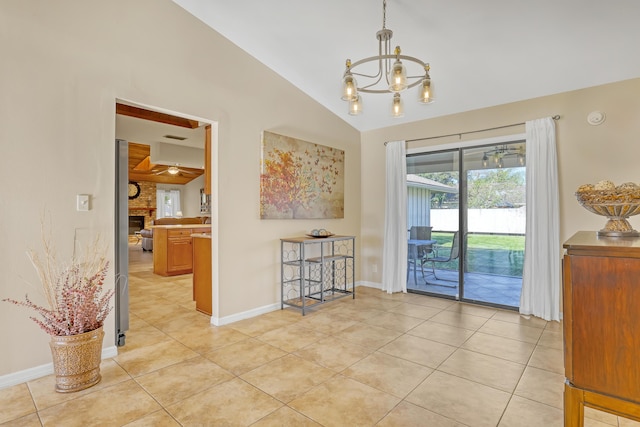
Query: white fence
509	220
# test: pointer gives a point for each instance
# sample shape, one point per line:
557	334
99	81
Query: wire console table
316	270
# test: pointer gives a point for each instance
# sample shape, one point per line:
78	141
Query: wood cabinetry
601	294
202	272
172	248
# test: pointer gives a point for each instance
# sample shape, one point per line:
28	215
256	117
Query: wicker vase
76	360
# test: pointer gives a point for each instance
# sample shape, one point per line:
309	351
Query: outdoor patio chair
452	255
417	255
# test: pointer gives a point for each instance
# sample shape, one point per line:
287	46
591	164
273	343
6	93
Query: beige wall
63	65
586	154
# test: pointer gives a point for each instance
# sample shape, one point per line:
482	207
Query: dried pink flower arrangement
75	293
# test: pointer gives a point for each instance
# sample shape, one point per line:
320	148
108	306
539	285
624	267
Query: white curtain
394	255
541	274
167	203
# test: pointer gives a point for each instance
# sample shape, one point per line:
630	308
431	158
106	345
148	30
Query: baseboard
220	321
374	285
36	372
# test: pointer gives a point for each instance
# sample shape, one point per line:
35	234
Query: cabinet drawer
179	232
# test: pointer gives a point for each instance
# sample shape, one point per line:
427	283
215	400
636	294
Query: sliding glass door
433	201
475	198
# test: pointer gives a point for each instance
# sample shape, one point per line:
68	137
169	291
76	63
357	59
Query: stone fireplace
136	223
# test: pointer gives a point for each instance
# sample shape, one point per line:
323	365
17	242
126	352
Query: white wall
63	66
586	154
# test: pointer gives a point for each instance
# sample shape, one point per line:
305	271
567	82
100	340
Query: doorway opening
158	151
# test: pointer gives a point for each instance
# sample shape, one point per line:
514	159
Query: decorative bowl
617	205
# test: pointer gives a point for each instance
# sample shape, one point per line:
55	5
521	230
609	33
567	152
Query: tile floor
383	360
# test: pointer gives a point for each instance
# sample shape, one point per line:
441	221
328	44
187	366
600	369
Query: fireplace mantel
151	210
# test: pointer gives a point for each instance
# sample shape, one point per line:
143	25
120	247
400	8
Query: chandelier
391	76
496	155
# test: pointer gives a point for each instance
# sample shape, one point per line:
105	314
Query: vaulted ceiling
482	53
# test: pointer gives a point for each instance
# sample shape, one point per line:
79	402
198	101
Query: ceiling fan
174	170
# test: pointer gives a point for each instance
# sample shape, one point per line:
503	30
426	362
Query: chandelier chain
384	14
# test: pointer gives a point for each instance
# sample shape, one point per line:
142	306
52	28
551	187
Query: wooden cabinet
202	273
172	248
601	316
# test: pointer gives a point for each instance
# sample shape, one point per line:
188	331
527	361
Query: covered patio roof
420	182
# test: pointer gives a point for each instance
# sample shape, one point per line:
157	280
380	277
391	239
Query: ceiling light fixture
391	75
173	170
499	153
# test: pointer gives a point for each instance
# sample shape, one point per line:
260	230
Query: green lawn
490	254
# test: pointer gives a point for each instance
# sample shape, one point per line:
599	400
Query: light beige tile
258	325
291	337
441	333
601	416
245	355
232	403
388	373
554	326
515	317
115	405
551	339
45	396
288	377
415	310
176	382
185	320
157	419
589	422
206	338
394	321
439	303
460	320
142	336
15	402
150	358
407	414
504	348
344	402
333	353
527	413
31	420
514	331
488	370
548	358
465	401
369	336
285	417
419	350
474	310
327	321
353	312
625	422
541	386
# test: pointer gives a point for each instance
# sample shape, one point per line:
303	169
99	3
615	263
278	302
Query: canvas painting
300	179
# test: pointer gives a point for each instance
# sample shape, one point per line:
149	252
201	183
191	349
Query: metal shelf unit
316	270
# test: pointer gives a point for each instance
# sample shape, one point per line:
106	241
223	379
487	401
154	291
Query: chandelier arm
378	76
375	58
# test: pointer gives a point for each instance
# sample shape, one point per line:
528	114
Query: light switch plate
82	202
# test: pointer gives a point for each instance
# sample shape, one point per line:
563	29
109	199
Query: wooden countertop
186	226
588	243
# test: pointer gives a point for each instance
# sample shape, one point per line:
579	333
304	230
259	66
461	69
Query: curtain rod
556	117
